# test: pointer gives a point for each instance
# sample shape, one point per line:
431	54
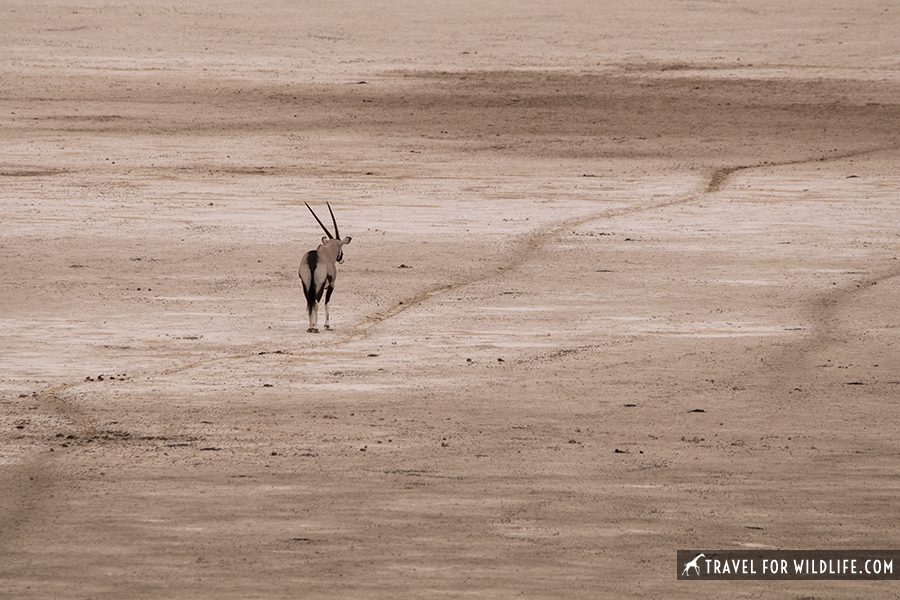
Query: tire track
827	331
532	242
28	485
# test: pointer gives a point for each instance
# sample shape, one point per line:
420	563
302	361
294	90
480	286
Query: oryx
318	271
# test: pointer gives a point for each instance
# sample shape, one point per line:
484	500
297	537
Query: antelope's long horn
331	237
333	220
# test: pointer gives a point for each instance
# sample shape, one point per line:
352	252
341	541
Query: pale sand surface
575	225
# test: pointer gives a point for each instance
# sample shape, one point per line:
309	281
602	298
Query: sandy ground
623	280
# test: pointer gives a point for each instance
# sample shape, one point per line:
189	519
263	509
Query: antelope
318	271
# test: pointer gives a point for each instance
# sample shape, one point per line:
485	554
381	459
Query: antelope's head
334	240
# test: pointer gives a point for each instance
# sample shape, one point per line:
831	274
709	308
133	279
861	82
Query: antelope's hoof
312	330
328	328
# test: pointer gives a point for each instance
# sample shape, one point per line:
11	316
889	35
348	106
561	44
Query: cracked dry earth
592	313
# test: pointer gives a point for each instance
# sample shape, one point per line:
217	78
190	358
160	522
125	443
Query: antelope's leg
313	319
327	300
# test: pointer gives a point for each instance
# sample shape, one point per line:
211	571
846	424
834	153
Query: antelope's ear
324	239
346	240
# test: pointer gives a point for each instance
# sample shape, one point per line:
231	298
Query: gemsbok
318	271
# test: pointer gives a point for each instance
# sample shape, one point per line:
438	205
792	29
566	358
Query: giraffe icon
692	565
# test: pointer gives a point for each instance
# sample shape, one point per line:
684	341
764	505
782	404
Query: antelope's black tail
310	290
